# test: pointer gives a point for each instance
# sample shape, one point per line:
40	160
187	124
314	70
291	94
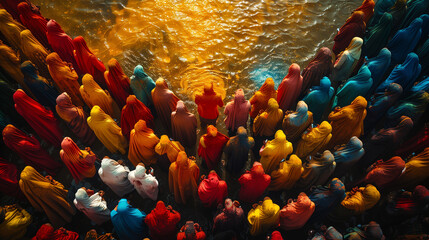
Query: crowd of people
338	151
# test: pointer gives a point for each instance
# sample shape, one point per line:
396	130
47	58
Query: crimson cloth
162	222
354	27
165	102
208	102
384	172
253	183
132	112
415	144
117	82
212	152
318	68
47	232
11	7
184	125
28	149
9	178
290	88
34	22
276	235
39	118
212	190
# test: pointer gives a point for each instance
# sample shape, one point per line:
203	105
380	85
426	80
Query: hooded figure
93	206
184	125
11	29
347	61
165	102
75	118
267	122
347	155
287	175
253	183
317	171
87	62
367	8
162	222
208	104
79	162
296	213
412	106
129	222
318	98
40	87
39	118
182	178
404	41
274	151
347	122
381	7
360	199
132	112
34	22
9	179
295	123
381	173
231	218
145	184
314	141
237	112
167	151
28	149
415	171
14	222
321	66
47	195
378	36
259	100
34	52
142	144
398	11
212	190
263	217
65	78
47	232
115	176
117	82
237	150
378	66
141	85
414	10
107	131
192	231
354	27
61	43
211	147
93	95
290	88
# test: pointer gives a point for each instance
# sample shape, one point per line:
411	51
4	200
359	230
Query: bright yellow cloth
263	217
362	200
11	29
266	123
171	148
288	173
34	51
314	141
142	144
107	131
274	151
416	171
182	178
15	223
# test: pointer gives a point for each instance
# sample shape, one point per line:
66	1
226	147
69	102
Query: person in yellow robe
347	122
168	150
34	51
415	172
264	216
11	29
13	222
142	144
287	175
107	131
93	95
47	195
266	123
183	175
274	151
314	141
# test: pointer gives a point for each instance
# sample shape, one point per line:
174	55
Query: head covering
79	162
129	221
165	102
253	183
132	112
61	43
321	66
142	144
378	66
184	125
381	7
378	36
9	178
213	146
295	123
327	198
415	171
162	222
237	150
34	51
354	27
117	82
170	148
290	88
208	102
115	176
34	22
367	8
362	199
382	172
237	111
259	100
398	11
414	10
182	178
348	155
212	190
142	85
263	217
287	174
230	218
266	123
296	213
412	106
404	41
145	184
317	170
47	232
274	151
319	98
10	29
14	221
314	141
347	61
94	206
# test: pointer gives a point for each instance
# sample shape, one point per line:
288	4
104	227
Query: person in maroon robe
321	66
162	222
191	231
34	22
231	218
132	112
354	27
165	102
184	125
212	190
253	183
211	147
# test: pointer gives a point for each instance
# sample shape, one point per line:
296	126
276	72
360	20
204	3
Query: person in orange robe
287	175
253	183
34	51
191	231
167	151
208	104
107	131
290	88
117	82
267	122
142	144
182	178
353	27
11	30
132	112
65	77
212	190
314	140
47	195
211	147
75	118
347	122
38	117
79	162
367	8
162	222
184	125
93	95
296	213
259	100
165	102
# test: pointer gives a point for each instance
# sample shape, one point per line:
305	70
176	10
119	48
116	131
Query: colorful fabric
317	170
318	98
358	85
162	222
267	122
378	66
182	178
274	151
47	232
129	222
94	206
115	176
208	102
145	184
361	199
288	173
347	155
314	141
212	190
184	125
9	178
296	213
347	61
61	43
165	102
253	183
211	146
295	123
34	22
11	29
230	218
321	66
259	100
14	224
354	27
327	198
132	112
382	172
290	88
34	52
142	144
415	171
263	217
170	148
404	41
141	85
117	82
367	8
378	36
237	111
237	150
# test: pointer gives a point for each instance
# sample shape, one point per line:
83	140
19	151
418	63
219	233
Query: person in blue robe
318	99
128	222
347	155
404	41
141	85
378	66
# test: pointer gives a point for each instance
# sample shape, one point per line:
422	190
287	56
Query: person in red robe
11	7
191	231
208	104
184	125
165	102
415	144
132	112
354	27
290	88
212	190
9	179
253	183
87	62
61	43
367	8
48	232
117	82
162	222
34	22
231	218
28	149
211	147
38	117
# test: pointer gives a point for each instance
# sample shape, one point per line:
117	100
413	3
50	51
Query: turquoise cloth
141	85
129	222
318	99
